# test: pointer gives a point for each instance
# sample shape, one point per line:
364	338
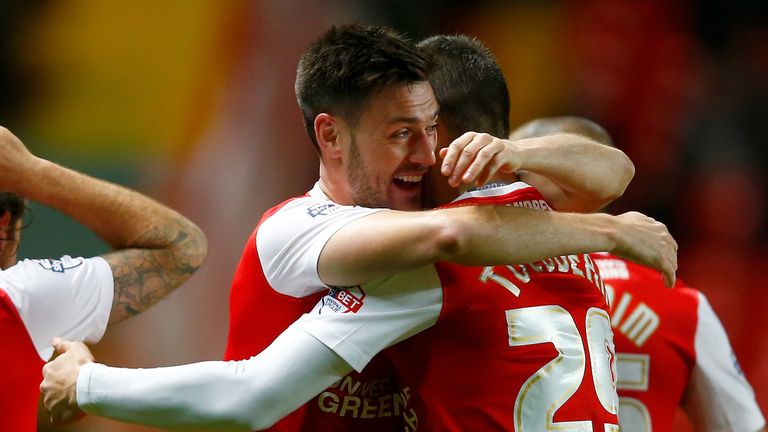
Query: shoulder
29	272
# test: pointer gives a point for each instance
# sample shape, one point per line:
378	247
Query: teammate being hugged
156	249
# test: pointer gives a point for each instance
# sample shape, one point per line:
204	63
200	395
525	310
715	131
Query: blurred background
192	103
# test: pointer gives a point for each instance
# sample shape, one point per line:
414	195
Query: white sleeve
357	323
290	241
718	396
244	395
67	297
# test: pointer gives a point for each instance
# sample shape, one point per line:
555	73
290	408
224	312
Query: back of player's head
340	71
566	124
12	204
468	85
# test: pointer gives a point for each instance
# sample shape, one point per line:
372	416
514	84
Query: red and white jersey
41	299
672	351
518	347
275	283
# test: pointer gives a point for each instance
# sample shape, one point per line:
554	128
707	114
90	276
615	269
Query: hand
648	242
15	161
59	386
476	157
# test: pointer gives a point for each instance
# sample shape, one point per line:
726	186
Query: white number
634	370
601	357
544	392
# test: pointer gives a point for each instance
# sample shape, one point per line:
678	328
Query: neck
333	185
497	180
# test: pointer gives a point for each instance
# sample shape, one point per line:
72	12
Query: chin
408	204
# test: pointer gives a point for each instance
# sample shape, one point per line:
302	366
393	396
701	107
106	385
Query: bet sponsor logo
321	209
345	300
59	265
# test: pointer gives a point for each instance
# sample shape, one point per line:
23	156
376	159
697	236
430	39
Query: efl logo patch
345	300
60	265
321	209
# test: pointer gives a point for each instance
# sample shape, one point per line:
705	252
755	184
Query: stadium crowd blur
195	106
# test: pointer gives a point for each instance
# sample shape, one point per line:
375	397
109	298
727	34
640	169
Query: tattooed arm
156	249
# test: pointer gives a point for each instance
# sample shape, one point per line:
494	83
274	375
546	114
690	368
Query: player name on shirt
634	318
565	264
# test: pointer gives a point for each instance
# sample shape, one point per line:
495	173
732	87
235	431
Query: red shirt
23	371
519	348
672	351
259	313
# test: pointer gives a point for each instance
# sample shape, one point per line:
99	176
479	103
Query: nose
423	149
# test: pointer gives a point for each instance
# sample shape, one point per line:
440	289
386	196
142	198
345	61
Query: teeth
409	179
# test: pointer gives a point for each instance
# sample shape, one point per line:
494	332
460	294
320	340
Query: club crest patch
321	209
345	300
59	265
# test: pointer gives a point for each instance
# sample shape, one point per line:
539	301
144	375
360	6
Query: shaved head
566	124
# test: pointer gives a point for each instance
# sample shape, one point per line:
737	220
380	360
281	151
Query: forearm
493	235
157	249
121	217
476	235
590	174
246	395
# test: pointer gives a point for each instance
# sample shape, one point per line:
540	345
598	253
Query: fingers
62	417
652	245
472	158
669	279
451	153
670	274
76	349
487	172
469	150
60	346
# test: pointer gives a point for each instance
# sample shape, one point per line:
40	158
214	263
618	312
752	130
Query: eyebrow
413	119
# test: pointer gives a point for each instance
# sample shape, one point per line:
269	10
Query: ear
328	130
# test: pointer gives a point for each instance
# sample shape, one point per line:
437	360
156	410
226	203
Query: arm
157	249
486	235
589	175
718	396
245	395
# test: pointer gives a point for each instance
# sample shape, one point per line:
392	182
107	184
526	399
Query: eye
431	129
401	134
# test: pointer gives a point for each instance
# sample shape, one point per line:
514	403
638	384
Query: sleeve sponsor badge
59	265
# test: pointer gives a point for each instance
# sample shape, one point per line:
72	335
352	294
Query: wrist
82	396
37	178
608	231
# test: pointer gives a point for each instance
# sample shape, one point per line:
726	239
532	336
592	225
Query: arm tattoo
145	274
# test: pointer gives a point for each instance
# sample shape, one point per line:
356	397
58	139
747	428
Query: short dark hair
468	84
13	204
340	71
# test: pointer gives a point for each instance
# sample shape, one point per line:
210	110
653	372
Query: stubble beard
363	188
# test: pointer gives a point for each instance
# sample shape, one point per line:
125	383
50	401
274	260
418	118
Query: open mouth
408	182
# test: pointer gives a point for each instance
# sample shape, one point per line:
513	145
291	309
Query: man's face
392	147
9	245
